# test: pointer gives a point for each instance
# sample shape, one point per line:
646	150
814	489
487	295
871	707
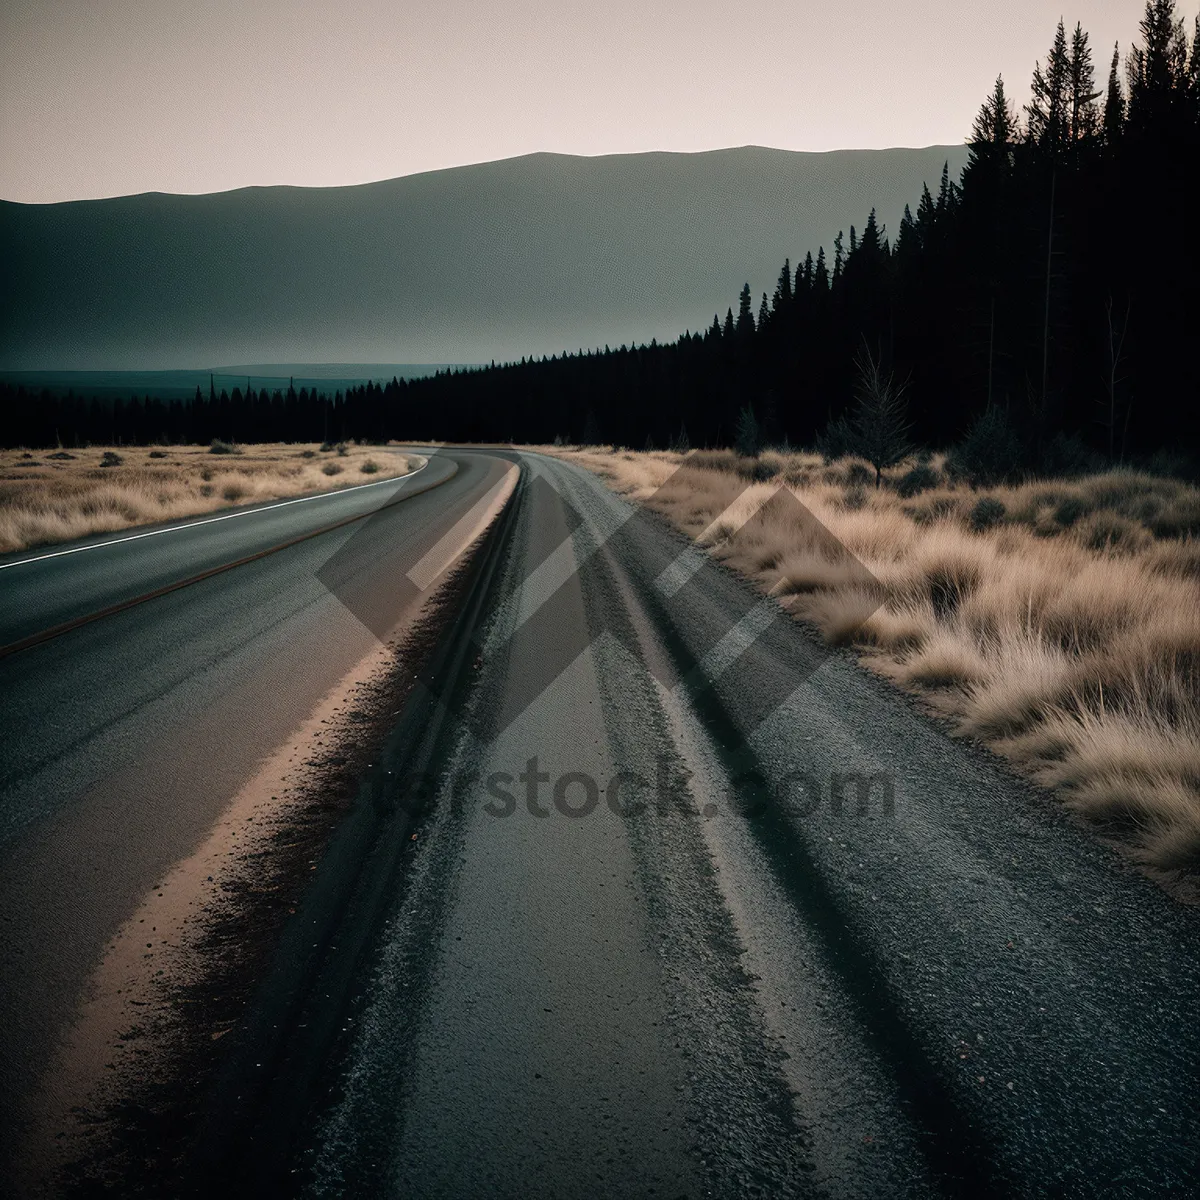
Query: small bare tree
878	425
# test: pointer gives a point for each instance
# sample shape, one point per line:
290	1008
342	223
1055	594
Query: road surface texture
648	893
125	737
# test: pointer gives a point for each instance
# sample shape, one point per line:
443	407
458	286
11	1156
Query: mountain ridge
537	254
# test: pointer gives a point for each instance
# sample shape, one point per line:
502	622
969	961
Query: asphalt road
125	737
43	589
678	954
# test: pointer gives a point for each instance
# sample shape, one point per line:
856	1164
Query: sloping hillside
527	255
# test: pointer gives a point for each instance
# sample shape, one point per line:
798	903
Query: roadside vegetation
57	495
1054	620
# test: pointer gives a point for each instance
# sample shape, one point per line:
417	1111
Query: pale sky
110	97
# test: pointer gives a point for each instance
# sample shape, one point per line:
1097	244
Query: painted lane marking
249	512
46	635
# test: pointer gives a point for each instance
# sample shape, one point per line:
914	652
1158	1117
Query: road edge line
55	631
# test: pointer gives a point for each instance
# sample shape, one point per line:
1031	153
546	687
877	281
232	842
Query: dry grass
56	496
1058	622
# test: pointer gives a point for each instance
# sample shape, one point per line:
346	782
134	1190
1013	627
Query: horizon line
361	183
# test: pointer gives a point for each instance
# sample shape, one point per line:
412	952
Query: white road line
135	537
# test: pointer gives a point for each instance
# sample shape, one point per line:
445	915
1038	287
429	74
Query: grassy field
1056	621
55	496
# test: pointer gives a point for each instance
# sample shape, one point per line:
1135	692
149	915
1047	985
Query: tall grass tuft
1055	620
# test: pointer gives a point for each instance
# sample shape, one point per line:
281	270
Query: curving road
125	737
613	916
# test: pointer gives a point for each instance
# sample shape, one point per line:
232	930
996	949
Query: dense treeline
1049	299
371	412
1055	285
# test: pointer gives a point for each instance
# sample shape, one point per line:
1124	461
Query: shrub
1147	509
1110	531
331	468
111	459
988	511
855	498
1180	518
341	448
370	467
60	454
748	442
326	447
1123	491
158	454
715	460
308	454
219	447
989	453
921	478
934	510
1067	455
836	440
1172	464
233	492
858	474
1069	509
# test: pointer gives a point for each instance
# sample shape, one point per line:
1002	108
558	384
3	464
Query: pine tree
748	441
821	272
872	241
926	216
728	330
783	289
995	127
908	245
953	200
878	424
1114	102
839	258
764	312
1048	109
745	321
1084	120
1157	69
944	194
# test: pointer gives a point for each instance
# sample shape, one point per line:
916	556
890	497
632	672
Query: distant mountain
531	255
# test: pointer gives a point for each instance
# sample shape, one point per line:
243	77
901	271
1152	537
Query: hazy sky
107	97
